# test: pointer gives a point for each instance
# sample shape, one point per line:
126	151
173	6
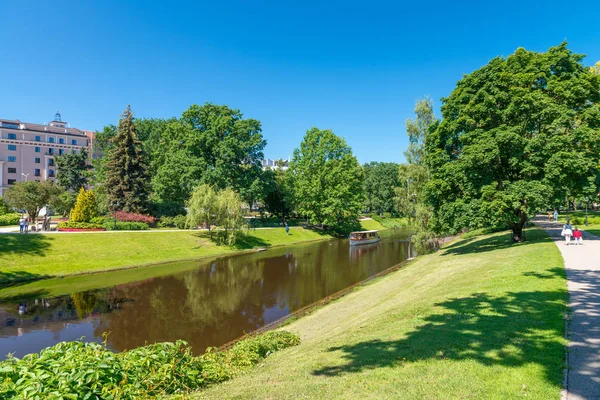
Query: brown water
208	304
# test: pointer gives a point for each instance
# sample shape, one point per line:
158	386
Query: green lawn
34	256
371	224
580	215
482	318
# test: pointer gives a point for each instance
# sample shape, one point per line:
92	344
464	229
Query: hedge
78	225
125	226
10	219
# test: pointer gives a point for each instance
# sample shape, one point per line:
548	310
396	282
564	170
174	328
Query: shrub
133	217
85	207
9	219
4	207
78	225
125	226
172	222
90	370
100	220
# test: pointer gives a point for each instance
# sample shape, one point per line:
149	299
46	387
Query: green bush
79	225
9	219
581	220
125	226
85	207
177	221
89	370
100	220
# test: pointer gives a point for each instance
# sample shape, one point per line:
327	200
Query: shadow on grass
24	244
511	330
496	242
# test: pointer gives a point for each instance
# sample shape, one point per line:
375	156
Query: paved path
583	273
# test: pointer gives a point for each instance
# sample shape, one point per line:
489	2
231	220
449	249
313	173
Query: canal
207	303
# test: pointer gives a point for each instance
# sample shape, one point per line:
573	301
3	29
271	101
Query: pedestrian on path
26	226
287	229
577	236
555	215
21	224
567	232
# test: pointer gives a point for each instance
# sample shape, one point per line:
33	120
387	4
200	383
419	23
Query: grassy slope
37	255
480	319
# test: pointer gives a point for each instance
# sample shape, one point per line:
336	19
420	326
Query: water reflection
208	306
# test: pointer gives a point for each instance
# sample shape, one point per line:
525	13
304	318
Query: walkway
583	273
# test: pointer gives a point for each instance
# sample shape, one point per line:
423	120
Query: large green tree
126	175
31	196
517	135
279	193
209	144
73	170
381	179
327	179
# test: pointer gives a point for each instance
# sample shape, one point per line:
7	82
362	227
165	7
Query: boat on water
364	237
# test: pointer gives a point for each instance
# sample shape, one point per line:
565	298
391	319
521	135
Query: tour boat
363	237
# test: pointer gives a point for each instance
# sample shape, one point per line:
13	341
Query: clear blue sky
356	68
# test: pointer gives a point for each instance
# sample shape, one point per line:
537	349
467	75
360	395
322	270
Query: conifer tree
126	177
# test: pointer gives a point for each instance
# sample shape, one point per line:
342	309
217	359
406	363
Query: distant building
27	150
274	164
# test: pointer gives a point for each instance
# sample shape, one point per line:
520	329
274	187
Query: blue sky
356	68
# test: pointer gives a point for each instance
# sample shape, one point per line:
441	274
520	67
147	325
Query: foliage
519	134
574	220
4	207
212	145
126	177
64	202
177	221
125	226
133	217
9	219
31	196
378	186
72	170
390	223
89	370
418	130
85	207
279	193
326	180
79	225
221	208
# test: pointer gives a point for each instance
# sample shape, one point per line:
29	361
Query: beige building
27	150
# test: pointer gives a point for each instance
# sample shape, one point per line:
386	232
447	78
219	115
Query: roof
372	231
46	128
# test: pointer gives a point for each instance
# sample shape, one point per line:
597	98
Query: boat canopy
373	231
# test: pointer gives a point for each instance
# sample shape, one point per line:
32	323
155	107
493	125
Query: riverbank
482	318
39	256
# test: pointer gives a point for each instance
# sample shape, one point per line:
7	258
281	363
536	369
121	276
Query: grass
594	229
482	318
36	256
371	224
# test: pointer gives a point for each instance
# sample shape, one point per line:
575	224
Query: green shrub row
124	226
79	225
9	219
89	370
177	221
581	220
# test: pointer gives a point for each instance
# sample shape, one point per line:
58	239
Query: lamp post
114	207
25	175
587	199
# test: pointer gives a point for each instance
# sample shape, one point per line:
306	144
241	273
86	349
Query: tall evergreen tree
126	180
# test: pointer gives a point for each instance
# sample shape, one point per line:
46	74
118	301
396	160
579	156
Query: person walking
21	224
556	215
287	229
26	225
578	236
567	233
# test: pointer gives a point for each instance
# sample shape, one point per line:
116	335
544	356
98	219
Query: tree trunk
517	228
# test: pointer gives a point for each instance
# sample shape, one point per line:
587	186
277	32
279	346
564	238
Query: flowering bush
133	217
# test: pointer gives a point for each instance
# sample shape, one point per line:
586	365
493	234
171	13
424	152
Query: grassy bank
34	256
480	319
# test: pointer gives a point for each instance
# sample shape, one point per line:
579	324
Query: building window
50	140
51	150
74	142
38	138
37	160
9	125
12	136
51	173
36	172
50	162
12	159
38	149
12	181
61	140
61	152
12	147
12	170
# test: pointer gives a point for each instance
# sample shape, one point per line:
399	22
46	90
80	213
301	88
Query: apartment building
27	150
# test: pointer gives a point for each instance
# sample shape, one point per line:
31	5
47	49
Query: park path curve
582	262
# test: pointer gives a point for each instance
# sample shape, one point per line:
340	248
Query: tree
4	207
279	196
209	144
127	179
31	196
327	179
216	208
85	207
518	135
380	181
72	170
418	129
